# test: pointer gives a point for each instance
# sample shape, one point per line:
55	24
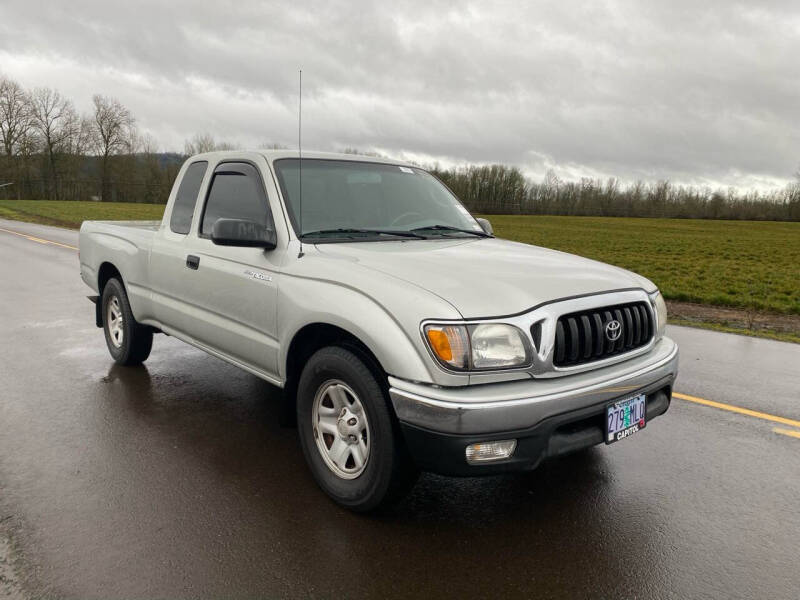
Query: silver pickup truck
406	335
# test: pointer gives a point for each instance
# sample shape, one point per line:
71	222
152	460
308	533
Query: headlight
478	347
497	346
657	300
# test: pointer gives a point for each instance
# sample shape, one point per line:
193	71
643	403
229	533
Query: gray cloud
694	92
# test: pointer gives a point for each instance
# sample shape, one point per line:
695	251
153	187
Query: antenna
300	154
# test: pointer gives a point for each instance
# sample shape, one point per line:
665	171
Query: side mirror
487	227
244	233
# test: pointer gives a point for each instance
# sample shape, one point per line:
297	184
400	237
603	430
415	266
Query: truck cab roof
271	155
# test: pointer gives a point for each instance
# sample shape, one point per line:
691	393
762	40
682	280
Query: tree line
50	151
498	189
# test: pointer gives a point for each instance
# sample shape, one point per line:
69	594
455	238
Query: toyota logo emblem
613	330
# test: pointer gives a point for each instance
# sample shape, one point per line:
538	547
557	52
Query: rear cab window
183	208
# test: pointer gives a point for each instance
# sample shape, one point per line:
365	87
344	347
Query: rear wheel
349	436
128	341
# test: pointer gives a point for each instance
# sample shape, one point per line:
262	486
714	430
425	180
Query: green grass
72	214
743	264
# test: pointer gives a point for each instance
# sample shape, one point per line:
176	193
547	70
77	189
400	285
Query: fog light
490	451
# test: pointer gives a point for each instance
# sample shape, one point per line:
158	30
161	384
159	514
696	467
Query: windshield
355	200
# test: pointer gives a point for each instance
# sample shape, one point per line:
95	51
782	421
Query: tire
337	386
128	341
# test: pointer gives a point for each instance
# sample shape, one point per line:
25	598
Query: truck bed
126	245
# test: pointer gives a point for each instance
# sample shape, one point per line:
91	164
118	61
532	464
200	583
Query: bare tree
273	146
14	124
204	142
113	133
55	121
201	142
356	151
150	169
146	144
73	158
14	114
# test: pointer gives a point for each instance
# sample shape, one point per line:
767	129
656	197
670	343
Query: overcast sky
696	92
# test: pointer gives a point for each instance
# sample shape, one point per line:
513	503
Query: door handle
193	262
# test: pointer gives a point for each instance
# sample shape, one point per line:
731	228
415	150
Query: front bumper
547	417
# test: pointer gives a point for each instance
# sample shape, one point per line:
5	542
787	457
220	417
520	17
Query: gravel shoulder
777	326
10	587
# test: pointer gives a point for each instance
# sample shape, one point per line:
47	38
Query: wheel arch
106	271
315	336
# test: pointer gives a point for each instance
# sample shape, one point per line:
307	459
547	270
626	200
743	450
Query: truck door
168	253
233	290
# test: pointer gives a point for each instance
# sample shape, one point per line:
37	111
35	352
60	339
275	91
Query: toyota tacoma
405	334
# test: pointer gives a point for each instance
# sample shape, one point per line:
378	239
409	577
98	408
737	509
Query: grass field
72	214
743	264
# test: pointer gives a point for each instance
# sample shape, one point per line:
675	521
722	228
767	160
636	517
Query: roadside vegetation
72	214
51	151
498	189
752	266
748	265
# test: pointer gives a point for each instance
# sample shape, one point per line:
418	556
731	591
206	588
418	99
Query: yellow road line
789	432
739	410
37	239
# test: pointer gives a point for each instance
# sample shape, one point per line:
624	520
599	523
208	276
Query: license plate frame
625	417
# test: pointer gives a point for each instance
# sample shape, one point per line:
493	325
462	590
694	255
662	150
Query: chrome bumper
497	407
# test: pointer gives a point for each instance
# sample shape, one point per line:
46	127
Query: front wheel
348	434
128	341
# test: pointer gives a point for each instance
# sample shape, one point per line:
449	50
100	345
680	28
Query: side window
186	198
236	193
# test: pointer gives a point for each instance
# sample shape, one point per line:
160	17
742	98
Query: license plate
624	418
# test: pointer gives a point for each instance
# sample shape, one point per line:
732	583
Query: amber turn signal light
450	344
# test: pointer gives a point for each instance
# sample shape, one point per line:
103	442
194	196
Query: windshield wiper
448	228
350	230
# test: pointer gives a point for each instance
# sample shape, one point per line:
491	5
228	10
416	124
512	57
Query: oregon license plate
624	418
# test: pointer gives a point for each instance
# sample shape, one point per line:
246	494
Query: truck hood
487	277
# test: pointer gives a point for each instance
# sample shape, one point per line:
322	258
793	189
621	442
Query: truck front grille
586	336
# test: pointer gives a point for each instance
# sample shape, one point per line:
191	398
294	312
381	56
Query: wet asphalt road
176	480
